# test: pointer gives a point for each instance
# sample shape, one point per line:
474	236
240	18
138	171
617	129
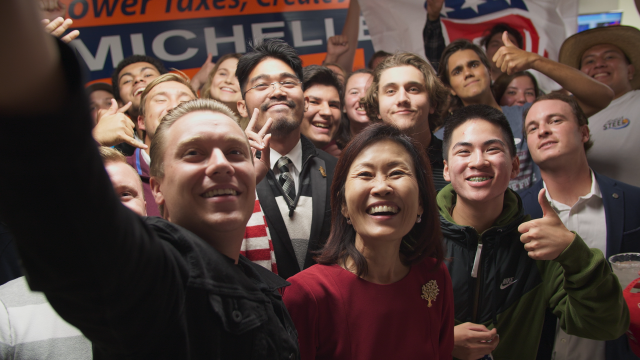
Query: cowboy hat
626	38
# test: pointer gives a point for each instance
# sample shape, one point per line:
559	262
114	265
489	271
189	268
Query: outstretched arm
591	94
432	33
23	66
341	49
78	243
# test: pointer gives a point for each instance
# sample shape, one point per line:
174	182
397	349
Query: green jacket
512	291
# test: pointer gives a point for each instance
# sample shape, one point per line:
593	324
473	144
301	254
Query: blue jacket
622	212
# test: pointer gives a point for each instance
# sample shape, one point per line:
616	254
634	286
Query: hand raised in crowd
547	237
473	341
337	45
200	78
511	59
114	127
259	141
58	26
434	7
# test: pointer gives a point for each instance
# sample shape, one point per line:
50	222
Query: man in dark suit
605	212
295	193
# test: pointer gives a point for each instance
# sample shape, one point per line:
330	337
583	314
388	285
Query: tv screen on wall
590	21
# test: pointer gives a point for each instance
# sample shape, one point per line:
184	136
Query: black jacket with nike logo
496	283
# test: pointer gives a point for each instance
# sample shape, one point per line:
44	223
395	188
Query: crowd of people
441	208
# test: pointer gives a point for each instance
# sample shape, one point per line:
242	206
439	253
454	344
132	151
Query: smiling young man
610	56
603	210
159	96
502	288
295	193
129	80
143	288
465	69
406	93
323	97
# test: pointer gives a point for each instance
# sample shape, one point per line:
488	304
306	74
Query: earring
348	221
419	219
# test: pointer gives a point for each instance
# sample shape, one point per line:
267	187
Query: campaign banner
182	32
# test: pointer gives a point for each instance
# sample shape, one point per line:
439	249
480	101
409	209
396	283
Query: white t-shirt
615	132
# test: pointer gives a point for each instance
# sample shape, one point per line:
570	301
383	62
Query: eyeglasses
287	85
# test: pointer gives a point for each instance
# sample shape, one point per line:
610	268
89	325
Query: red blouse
341	316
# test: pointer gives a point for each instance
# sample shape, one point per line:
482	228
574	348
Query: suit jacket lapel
272	213
613	201
319	193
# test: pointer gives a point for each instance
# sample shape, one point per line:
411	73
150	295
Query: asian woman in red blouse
380	290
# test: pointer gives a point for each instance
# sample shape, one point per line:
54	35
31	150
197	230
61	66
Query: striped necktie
286	179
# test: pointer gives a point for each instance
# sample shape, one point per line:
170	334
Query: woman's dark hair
499	29
359	71
269	48
424	239
502	83
376	55
443	67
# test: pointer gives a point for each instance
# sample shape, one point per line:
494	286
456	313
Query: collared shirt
586	217
295	155
145	156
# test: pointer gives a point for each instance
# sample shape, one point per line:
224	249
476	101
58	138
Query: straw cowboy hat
627	38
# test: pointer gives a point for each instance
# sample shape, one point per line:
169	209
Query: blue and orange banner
182	32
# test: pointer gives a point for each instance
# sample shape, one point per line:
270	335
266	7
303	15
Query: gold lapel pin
430	291
322	172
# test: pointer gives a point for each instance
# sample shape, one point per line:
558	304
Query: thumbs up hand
547	237
511	59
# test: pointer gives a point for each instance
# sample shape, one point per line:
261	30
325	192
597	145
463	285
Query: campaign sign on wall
182	32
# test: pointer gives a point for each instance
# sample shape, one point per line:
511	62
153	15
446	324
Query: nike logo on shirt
507	282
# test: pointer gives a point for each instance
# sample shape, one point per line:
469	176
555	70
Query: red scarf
257	245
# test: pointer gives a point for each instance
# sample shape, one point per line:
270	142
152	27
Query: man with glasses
295	193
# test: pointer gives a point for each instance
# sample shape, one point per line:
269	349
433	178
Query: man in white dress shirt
605	212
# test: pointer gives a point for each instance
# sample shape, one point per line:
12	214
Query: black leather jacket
138	288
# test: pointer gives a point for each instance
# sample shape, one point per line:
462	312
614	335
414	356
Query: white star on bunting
446	10
472	4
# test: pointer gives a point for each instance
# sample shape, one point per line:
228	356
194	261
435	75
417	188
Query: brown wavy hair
424	239
438	93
